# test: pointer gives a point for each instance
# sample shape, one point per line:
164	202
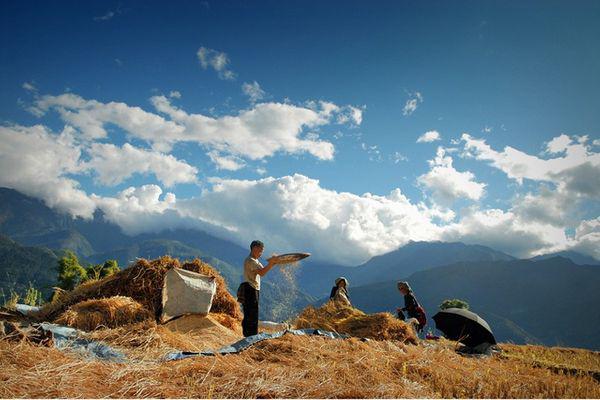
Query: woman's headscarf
404	285
341	278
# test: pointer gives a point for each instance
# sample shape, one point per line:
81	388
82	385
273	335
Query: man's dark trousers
250	321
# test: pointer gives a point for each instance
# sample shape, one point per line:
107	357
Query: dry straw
108	313
289	367
339	318
143	282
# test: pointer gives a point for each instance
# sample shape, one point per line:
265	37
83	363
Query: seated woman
416	313
339	293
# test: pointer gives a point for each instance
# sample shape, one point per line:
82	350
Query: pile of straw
108	313
143	282
339	318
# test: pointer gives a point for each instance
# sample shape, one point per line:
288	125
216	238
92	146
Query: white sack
186	292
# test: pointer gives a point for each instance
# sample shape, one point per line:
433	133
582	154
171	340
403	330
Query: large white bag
186	292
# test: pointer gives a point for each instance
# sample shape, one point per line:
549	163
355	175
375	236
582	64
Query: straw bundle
345	319
223	301
143	282
109	313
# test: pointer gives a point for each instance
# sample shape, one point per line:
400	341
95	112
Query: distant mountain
21	265
577	258
551	301
318	278
68	239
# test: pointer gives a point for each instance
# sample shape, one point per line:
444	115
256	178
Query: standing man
250	288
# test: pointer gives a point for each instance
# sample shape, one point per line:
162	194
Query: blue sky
517	75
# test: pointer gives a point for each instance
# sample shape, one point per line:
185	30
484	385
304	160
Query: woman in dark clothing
412	306
339	293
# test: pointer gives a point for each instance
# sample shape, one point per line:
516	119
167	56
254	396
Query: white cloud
115	164
429	136
587	238
412	103
578	170
260	132
139	210
175	94
504	231
253	91
230	163
37	163
29	86
216	60
296	213
397	157
447	184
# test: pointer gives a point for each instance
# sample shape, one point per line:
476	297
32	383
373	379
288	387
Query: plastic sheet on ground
251	340
66	338
25	309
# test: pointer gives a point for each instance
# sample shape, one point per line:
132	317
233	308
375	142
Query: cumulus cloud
253	91
141	209
587	238
114	164
412	103
37	162
216	60
295	212
175	94
519	165
230	163
256	133
430	136
447	184
505	231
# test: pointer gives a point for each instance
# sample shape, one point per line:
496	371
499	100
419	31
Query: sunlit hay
556	358
288	367
223	301
142	281
344	319
228	321
108	313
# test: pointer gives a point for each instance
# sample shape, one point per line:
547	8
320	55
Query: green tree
33	297
99	271
109	268
70	273
454	303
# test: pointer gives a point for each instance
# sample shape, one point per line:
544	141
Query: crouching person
416	313
249	290
339	293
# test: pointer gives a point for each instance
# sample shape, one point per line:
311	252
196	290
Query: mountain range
548	299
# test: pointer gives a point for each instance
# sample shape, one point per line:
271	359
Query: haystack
143	282
111	312
344	319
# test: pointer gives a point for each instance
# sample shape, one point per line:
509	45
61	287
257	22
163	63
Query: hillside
524	301
20	266
577	258
317	278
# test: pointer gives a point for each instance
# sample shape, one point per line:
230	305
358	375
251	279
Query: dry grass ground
288	367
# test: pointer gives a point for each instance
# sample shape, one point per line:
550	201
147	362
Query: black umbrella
464	326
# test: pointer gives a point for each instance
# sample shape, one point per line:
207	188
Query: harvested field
343	319
288	367
143	283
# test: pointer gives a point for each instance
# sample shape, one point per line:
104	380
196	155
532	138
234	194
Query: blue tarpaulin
251	340
66	338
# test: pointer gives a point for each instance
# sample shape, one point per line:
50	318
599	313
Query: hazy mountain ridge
550	301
